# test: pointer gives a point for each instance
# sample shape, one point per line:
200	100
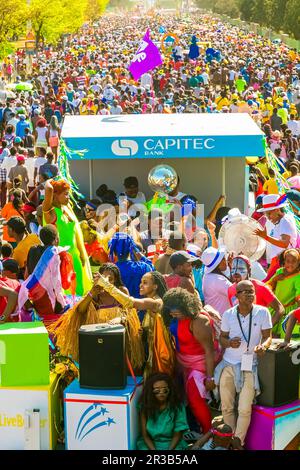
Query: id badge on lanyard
247	362
247	358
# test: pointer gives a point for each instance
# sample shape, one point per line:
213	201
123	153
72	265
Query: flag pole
223	177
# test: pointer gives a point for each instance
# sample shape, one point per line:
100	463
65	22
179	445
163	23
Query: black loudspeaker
102	356
278	373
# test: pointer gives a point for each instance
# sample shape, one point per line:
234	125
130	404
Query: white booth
207	151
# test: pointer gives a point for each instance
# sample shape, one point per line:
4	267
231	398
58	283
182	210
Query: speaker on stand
278	373
102	357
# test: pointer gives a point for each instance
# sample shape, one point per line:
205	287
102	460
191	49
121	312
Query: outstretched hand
283	345
211	227
261	233
260	350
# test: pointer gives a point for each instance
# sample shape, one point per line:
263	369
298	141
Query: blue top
198	277
20	129
132	273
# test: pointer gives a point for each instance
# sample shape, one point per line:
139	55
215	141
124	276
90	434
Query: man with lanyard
245	332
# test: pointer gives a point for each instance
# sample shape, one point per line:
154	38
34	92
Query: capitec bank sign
166	146
160	147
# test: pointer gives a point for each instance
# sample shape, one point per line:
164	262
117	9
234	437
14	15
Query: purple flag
146	58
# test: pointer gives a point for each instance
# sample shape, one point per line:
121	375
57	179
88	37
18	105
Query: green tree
227	7
292	18
247	9
13	17
276	12
52	18
95	8
260	11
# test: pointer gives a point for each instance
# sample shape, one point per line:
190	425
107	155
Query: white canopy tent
207	150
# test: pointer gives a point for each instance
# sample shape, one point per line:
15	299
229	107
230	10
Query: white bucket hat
273	201
211	258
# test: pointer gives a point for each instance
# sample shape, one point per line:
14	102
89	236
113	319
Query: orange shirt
21	251
7	212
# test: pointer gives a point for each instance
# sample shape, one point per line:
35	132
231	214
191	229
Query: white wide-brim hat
271	202
211	258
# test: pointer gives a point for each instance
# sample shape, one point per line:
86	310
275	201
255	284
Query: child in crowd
17	184
10	269
218	438
6	251
270	185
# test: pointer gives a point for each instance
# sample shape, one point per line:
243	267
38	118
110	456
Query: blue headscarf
122	245
189	203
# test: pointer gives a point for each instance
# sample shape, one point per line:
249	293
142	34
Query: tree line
279	15
49	19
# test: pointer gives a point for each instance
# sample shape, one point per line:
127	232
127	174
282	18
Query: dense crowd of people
192	311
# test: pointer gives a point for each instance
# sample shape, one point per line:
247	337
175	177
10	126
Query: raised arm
154	305
212	215
47	205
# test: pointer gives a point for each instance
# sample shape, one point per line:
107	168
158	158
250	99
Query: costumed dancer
130	261
99	306
197	349
50	270
159	346
57	211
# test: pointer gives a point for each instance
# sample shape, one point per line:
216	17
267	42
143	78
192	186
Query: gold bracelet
47	212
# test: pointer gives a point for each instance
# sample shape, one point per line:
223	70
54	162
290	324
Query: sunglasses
158	391
89	209
246	292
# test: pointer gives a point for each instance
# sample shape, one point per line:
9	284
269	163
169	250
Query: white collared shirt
261	320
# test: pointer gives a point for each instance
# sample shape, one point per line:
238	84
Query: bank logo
296	357
91	419
124	148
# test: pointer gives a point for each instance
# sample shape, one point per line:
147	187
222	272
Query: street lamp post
29	44
29	48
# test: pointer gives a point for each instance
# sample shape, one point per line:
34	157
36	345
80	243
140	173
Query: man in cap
181	263
19	171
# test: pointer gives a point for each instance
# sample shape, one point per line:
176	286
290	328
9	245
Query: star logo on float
124	148
91	420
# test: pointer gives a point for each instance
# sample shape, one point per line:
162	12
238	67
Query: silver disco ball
162	179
